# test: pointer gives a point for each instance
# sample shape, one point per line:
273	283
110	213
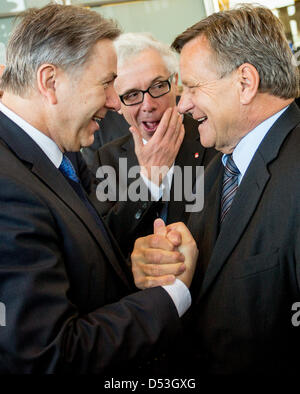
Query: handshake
170	253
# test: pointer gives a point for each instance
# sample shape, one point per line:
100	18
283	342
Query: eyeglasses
156	90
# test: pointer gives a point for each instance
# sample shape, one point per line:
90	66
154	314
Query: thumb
160	227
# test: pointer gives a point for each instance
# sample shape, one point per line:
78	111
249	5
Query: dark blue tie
230	185
67	169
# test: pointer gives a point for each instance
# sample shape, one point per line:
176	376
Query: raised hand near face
158	155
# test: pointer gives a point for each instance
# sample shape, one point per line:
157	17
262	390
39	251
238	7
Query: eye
159	85
107	83
131	96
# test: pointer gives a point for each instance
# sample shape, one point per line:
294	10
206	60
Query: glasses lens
133	97
159	88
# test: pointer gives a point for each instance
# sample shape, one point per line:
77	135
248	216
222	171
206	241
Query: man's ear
249	82
46	80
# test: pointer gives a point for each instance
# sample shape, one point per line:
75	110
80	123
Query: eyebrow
151	83
109	77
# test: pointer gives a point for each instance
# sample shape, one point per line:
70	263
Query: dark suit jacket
129	220
249	272
61	282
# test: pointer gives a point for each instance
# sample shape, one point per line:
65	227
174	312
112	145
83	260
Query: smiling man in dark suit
63	281
240	82
147	84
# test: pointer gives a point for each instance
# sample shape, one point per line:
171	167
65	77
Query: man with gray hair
63	281
147	85
240	83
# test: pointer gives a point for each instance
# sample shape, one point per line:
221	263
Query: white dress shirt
248	145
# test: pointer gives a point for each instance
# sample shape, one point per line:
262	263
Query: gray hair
249	34
60	35
132	44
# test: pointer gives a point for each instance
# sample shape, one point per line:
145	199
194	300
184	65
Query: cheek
131	115
98	100
166	102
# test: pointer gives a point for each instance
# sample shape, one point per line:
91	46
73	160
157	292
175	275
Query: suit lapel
248	195
129	154
128	147
205	224
27	150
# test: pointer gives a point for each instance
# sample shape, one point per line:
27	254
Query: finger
137	137
149	281
180	137
158	257
162	269
155	241
162	127
174	237
183	230
174	126
159	227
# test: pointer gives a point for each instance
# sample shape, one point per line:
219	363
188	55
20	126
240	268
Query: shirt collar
47	145
246	148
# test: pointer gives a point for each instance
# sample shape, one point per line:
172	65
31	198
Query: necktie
67	169
230	185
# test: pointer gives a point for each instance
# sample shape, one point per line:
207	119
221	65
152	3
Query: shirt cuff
180	295
156	191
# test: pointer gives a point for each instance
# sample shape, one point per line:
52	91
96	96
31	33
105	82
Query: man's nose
149	103
184	105
112	99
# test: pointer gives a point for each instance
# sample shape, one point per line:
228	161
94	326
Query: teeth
202	119
96	118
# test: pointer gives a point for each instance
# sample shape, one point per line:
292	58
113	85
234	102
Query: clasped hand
171	252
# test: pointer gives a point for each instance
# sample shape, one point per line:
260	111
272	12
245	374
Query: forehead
102	62
197	61
140	70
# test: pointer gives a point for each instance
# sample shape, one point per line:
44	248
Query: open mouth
202	120
150	126
96	118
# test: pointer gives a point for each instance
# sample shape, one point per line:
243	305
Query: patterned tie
66	167
230	185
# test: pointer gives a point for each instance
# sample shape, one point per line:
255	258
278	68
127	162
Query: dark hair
56	34
249	34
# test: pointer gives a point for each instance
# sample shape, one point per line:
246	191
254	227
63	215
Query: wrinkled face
213	100
83	97
139	73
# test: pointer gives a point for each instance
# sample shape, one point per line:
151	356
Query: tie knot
231	168
66	167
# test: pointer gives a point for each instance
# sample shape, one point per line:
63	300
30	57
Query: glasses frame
169	81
